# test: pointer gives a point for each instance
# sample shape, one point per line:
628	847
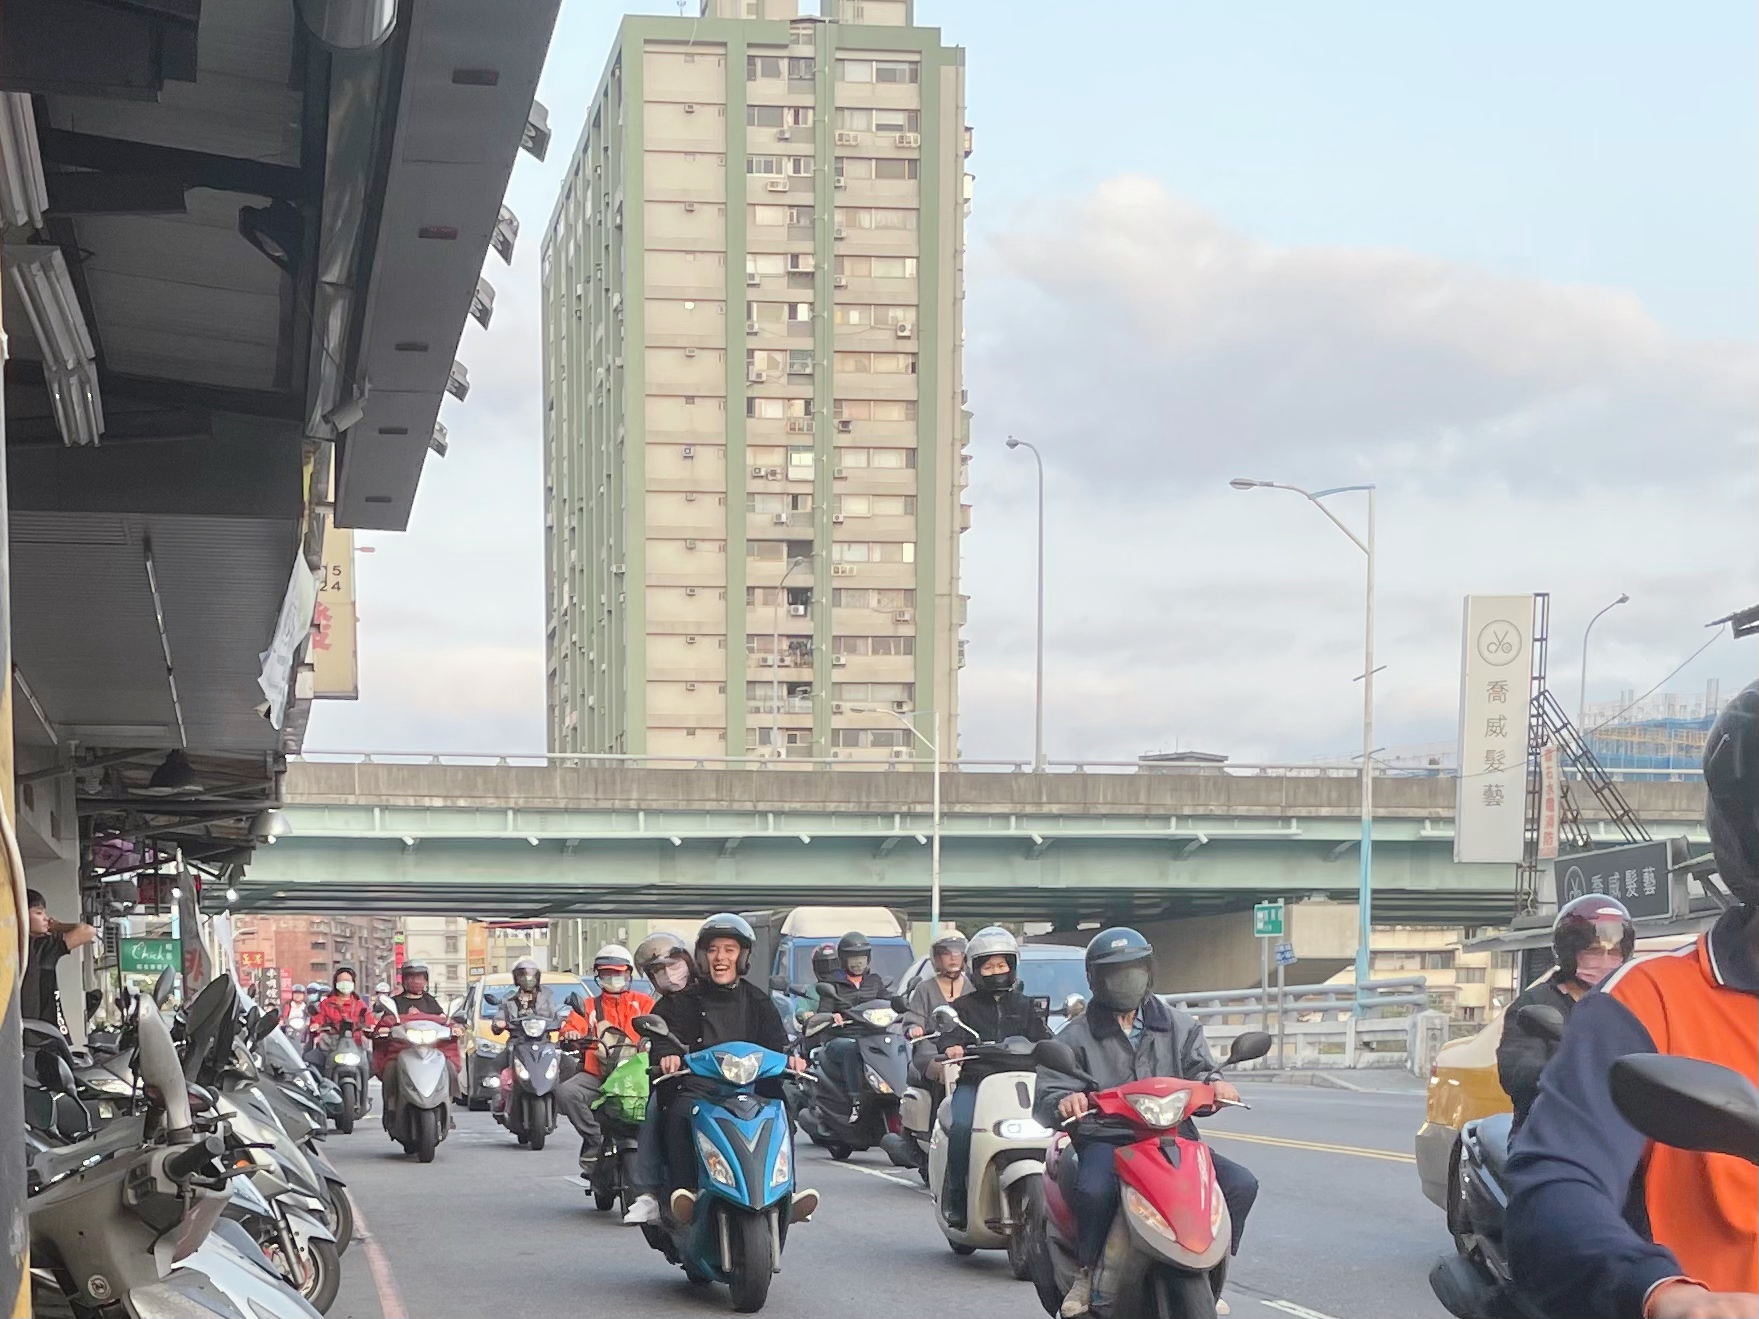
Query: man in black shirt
39	998
722	1007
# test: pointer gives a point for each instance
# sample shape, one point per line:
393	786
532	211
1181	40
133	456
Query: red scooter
1178	1223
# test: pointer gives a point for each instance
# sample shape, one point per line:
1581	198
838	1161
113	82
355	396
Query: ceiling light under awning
23	193
174	777
39	277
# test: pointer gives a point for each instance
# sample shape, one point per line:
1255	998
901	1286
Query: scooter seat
1493	1142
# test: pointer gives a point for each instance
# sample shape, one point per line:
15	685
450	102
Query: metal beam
116	194
193	169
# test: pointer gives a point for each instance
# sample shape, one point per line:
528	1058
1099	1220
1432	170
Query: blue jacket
1597	1216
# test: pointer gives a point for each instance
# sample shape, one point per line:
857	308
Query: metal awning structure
241	239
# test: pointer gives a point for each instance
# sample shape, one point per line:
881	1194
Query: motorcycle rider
947	959
855	982
412	998
527	998
1603	1224
997	1009
720	1007
665	959
1591	938
340	1012
1128	1034
617	1005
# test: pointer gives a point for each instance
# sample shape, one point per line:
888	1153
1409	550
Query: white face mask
670	977
345	987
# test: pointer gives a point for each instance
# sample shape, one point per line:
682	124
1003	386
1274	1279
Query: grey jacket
926	997
544	1006
1172	1044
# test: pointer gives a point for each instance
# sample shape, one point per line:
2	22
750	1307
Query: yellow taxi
483	1049
1463	1087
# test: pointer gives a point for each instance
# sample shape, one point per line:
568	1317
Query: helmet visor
1606	934
1122	988
856	964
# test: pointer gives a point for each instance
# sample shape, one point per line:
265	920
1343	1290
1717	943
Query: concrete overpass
583	837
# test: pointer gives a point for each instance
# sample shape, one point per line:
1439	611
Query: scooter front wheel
1181	1295
345	1115
339	1214
750	1274
321	1269
536	1121
839	1151
1023	1203
427	1133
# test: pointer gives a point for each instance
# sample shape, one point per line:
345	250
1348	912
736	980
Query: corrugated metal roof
87	641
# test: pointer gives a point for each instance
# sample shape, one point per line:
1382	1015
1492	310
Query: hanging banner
335	653
292	629
1549	791
1495	691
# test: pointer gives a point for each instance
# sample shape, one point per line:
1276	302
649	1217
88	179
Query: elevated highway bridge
585	836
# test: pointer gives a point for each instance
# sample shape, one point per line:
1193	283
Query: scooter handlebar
191	1159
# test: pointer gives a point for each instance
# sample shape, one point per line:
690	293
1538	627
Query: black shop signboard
1636	874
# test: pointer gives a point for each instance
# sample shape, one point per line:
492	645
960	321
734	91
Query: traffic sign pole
1279	1015
1264	980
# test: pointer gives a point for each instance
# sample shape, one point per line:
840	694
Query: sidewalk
1363	1080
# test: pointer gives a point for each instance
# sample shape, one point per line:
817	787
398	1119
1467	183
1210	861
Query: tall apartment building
441	942
754	407
307	948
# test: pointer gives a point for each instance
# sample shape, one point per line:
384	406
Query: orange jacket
619	1010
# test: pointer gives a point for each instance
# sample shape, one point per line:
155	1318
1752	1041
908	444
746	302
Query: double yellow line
1359	1151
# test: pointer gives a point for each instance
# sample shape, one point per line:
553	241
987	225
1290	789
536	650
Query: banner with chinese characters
1495	690
335	656
1637	875
1548	802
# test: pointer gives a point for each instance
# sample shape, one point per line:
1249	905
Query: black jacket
1521	1057
426	1003
872	985
707	1014
997	1017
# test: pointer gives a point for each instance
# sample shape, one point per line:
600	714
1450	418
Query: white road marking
1299	1311
914	1185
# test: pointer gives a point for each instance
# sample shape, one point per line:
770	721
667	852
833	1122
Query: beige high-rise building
753	385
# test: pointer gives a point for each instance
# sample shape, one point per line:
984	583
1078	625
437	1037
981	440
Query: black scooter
1475	1282
845	1123
530	1109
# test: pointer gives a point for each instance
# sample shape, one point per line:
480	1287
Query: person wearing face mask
855	982
720	1007
996	1009
664	958
340	1012
1127	1034
1591	938
527	998
616	1007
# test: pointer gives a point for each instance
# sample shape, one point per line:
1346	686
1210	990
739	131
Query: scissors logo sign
1499	643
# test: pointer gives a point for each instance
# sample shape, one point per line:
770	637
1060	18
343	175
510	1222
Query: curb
1324	1080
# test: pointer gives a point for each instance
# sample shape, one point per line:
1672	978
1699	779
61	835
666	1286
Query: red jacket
337	1015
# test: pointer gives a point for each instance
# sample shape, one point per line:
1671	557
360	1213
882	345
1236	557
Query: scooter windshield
280	1056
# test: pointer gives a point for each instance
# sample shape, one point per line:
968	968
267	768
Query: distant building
1665	732
307	948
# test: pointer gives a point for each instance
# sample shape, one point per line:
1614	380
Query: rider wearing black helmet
412	993
720	1007
527	998
855	982
1127	1034
996	1009
1591	938
1602	1224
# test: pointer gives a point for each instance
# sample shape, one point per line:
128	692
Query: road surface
1341	1230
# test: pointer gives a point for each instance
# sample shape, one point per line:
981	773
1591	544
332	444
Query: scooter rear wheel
750	1273
839	1151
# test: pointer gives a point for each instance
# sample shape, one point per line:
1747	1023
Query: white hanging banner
1495	690
292	630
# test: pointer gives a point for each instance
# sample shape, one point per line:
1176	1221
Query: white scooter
1005	1170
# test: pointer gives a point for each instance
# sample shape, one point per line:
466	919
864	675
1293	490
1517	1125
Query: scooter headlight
520	1071
1021	1128
347	1060
784	1166
877	1082
1136	1204
1162	1110
535	1028
424	1034
489	1048
550	1069
879	1016
714	1161
739	1069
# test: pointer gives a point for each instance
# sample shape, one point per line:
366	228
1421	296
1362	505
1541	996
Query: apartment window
870	737
896	169
769	217
874	691
799	216
799	116
863	409
801	263
872	598
763	165
765	311
879	551
897	121
762	66
854	506
799	311
861	362
801	458
801	166
1470	975
765	263
764	549
800	361
766	455
895	71
894	364
801	68
875	217
765	116
854	167
451	945
892	506
846	313
1438	961
755	503
774	409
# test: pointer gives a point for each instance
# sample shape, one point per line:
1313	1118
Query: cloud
1171	347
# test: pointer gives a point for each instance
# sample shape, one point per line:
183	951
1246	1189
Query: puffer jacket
1172	1044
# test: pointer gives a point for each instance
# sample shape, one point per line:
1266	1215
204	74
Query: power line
1714	638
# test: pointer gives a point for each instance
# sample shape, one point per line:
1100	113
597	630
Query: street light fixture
934	855
1582	691
1038	680
1365	885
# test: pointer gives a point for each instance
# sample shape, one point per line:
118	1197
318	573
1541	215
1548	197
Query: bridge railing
1316	1024
910	764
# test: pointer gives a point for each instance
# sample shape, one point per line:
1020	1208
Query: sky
1496	260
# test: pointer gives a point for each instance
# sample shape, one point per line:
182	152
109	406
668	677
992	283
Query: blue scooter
745	1172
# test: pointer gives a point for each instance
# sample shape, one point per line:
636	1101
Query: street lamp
776	654
934	854
1365	885
1038	682
1582	692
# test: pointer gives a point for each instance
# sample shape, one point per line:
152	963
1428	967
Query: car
483	1049
1463	1087
1053	971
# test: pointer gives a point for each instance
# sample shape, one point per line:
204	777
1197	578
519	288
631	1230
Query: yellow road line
1361	1152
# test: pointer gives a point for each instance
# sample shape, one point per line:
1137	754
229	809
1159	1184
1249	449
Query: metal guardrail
589	760
1307	1002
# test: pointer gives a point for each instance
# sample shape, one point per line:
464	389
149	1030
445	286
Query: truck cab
787	937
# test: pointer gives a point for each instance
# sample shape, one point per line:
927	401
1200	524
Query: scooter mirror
1253	1044
900	1003
1541	1022
164	985
651	1027
265	1025
1074	1006
576	1002
946	1016
1057	1056
1688	1103
780	985
828	993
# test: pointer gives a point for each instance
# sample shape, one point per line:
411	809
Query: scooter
1005	1170
417	1082
1475	1282
528	1109
745	1171
345	1067
845	1123
1177	1222
620	1112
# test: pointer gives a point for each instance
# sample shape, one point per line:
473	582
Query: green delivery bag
625	1089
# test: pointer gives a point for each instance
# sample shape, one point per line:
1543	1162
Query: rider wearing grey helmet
945	982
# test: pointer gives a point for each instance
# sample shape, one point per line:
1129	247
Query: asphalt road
1341	1230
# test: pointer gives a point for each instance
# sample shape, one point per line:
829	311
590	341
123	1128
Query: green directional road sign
148	956
1267	920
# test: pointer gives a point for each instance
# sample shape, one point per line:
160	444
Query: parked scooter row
175	1170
